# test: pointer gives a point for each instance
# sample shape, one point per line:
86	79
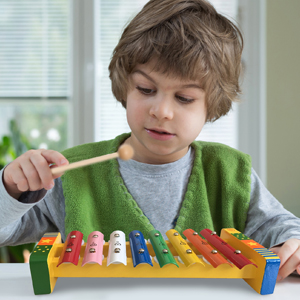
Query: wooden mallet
125	152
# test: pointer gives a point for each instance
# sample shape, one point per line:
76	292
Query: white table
15	283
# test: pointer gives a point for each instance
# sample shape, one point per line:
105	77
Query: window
34	63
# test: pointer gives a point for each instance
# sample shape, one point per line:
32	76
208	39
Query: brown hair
187	38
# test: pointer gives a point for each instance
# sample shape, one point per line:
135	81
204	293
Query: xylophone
204	255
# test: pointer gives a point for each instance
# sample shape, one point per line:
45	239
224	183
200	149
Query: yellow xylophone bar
46	256
186	254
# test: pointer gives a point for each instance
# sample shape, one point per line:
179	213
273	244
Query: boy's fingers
31	175
58	159
283	253
42	177
31	171
54	157
19	179
291	265
61	161
289	254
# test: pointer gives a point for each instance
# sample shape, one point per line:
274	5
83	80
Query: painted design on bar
157	258
266	253
241	236
264	282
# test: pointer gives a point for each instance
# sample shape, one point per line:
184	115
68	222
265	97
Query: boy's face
165	115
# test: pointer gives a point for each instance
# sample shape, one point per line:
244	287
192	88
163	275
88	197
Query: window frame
252	111
83	72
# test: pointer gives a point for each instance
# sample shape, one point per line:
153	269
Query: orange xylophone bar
208	252
50	259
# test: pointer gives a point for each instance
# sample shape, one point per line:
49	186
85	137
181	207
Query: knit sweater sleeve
268	222
26	222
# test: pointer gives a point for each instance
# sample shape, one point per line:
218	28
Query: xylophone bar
71	248
139	250
176	258
94	248
208	252
234	255
116	253
186	254
163	253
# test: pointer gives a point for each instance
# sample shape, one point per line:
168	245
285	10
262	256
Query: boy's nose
162	108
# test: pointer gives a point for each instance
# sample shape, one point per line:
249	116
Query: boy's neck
143	156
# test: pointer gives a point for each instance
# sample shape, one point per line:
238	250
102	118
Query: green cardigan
96	198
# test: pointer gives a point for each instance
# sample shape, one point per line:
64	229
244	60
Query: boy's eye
145	91
185	100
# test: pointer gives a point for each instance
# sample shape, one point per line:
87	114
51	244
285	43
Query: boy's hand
32	172
289	254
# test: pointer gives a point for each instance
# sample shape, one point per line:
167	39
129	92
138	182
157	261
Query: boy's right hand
32	171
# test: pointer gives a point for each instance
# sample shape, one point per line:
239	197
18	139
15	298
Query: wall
283	102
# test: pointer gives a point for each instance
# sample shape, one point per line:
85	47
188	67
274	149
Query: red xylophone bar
235	256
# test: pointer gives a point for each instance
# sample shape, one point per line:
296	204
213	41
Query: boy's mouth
159	134
159	131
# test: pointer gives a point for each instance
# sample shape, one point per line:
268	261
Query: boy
177	66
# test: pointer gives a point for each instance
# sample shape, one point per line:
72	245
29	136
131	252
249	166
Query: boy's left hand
289	254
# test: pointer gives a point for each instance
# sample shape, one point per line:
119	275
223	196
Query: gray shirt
159	191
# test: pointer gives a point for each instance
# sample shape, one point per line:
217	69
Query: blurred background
55	92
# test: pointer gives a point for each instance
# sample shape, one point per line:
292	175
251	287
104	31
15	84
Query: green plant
12	146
